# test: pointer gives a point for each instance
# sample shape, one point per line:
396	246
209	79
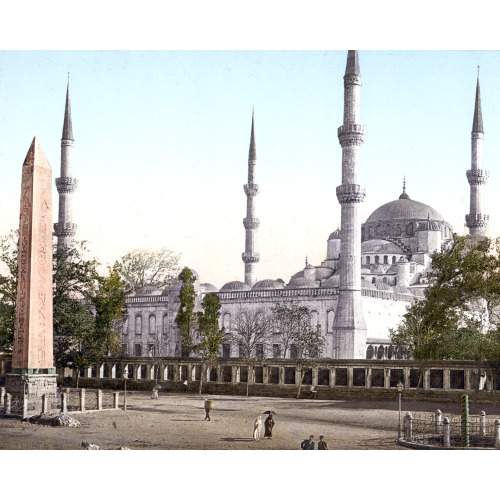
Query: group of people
308	444
268	427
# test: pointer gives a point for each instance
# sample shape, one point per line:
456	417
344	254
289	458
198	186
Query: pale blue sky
161	144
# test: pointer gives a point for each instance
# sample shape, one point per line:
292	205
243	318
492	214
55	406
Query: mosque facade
372	271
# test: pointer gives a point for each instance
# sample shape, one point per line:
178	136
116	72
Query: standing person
307	444
154	392
268	426
257	428
185	386
208	407
322	443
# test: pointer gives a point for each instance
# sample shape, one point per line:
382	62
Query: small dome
331	282
302	283
368	284
208	287
148	290
268	285
322	273
335	235
429	225
235	286
383	286
380	247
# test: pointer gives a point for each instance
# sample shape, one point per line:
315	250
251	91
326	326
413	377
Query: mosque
371	272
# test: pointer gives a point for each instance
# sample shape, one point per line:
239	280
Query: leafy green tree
249	328
211	335
186	319
8	287
140	268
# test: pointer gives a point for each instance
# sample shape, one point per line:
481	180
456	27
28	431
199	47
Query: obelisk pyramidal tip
477	220
65	229
250	222
349	325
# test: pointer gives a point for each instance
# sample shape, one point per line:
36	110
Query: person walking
268	426
307	444
208	407
257	428
322	443
185	386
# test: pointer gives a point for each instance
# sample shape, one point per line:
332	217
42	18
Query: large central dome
404	209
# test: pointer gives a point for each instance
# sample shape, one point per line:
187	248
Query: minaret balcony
66	184
351	134
250	258
251	223
251	189
476	220
477	176
65	229
350	193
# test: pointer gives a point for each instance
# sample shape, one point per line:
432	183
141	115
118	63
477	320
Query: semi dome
331	282
235	286
380	246
268	285
323	273
302	283
404	208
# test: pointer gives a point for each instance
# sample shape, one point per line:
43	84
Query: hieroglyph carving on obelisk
33	349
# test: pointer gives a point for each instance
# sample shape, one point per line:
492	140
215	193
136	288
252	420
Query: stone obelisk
33	374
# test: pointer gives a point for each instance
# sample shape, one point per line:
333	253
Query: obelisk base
27	391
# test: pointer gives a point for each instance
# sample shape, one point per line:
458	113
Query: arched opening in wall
380	352
330	317
369	352
384	280
152	324
314	318
390	352
377	259
165	324
367	259
226	350
409	229
394	260
226	321
386	259
373	280
138	325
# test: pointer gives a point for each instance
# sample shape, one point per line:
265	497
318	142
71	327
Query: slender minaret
349	325
65	229
251	223
476	220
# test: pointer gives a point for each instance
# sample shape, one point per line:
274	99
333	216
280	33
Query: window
293	351
276	350
151	350
152	324
259	350
394	260
330	318
368	259
314	318
137	350
138	325
125	348
241	350
165	324
386	259
377	259
226	350
226	321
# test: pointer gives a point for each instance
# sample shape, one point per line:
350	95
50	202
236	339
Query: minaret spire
65	229
250	222
476	220
349	325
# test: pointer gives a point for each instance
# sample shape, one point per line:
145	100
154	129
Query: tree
211	335
186	319
8	288
140	268
249	328
293	325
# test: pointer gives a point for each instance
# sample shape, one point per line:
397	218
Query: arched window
380	352
165	324
226	321
373	280
394	260
409	229
138	325
384	280
367	259
152	324
377	259
330	318
314	318
386	259
369	352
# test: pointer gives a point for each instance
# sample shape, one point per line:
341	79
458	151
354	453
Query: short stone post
25	407
99	399
45	403
409	427
497	434
446	432
82	399
2	395
438	421
64	402
115	400
7	403
482	424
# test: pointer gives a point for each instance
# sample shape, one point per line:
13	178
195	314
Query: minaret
65	229
349	325
251	223
476	220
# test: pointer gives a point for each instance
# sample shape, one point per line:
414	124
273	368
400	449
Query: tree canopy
459	315
140	268
186	319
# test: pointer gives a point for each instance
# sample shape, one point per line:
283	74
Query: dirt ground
176	422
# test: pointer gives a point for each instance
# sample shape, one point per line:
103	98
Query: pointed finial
404	195
477	124
404	183
306	261
68	76
478	70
